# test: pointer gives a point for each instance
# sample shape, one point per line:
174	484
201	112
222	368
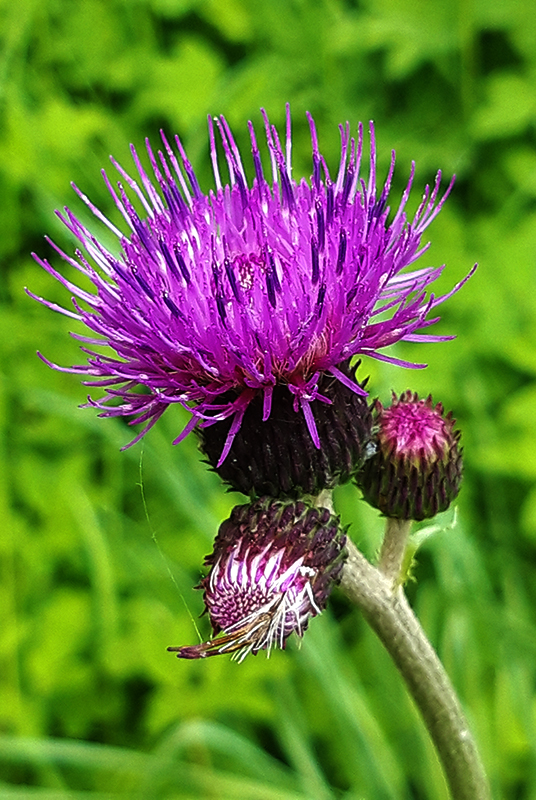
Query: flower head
213	300
273	567
417	469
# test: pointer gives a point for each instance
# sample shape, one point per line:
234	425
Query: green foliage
100	549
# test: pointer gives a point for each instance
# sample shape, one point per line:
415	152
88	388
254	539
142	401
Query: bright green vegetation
94	584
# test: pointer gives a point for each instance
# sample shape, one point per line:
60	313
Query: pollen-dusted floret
214	300
273	567
417	469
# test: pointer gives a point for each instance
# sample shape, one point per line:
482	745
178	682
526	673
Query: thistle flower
417	469
215	300
272	569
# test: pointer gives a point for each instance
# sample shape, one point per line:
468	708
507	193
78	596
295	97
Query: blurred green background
100	549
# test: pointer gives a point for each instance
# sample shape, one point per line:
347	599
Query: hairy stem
393	549
386	609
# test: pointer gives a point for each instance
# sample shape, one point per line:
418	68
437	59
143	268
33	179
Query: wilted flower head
273	567
417	469
216	299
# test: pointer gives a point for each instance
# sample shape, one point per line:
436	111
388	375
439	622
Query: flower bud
273	567
417	468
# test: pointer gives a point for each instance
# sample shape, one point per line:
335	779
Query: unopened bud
417	468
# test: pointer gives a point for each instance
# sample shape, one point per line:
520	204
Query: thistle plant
251	306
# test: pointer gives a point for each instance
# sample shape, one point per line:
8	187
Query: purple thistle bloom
272	569
248	287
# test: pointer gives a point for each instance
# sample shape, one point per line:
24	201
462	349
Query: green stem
387	611
393	549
